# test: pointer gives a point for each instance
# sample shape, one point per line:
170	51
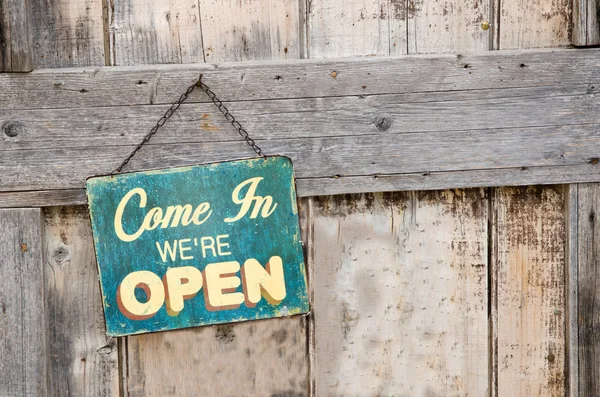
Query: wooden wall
443	293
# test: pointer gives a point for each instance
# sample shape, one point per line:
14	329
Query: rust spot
205	123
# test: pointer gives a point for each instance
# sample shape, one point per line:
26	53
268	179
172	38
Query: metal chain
229	117
173	109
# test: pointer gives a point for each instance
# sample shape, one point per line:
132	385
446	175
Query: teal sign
191	246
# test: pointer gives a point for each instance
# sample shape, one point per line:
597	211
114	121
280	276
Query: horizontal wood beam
352	125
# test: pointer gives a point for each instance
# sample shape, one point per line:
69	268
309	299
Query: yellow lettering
258	281
220	284
128	303
181	283
119	215
266	203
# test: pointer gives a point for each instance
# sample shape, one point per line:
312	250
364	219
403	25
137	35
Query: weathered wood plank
401	294
235	30
283	119
142	31
528	311
67	33
572	285
586	22
588	314
83	361
161	84
533	23
354	28
438	26
23	347
16	53
377	154
369	183
247	359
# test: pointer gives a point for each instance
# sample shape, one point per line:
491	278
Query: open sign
199	245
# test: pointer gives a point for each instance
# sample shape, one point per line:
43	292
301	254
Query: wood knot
594	160
383	122
225	334
12	129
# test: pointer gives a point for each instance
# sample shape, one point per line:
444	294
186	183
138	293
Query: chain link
223	109
213	97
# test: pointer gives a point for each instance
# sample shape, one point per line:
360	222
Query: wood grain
572	286
586	22
528	278
146	32
533	23
354	28
23	345
400	294
438	26
16	53
82	360
587	314
323	158
253	30
67	33
246	359
163	84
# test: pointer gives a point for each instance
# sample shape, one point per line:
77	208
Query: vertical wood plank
355	28
586	22
67	33
261	358
401	294
588	279
533	23
250	30
155	31
572	285
83	360
528	266
23	354
437	26
15	36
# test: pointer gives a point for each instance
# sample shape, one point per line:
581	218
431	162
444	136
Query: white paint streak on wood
67	33
246	359
354	28
401	294
534	24
529	310
236	30
83	360
23	346
157	31
437	26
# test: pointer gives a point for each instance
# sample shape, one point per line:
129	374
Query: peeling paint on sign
191	246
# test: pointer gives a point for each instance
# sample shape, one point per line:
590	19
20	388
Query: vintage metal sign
199	245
